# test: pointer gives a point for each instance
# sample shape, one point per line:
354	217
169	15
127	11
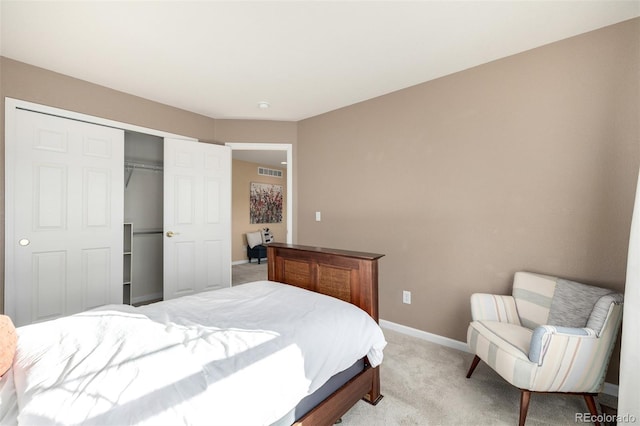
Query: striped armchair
550	335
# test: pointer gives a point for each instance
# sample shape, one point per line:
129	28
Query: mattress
243	355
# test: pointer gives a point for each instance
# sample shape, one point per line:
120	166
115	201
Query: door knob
171	233
24	242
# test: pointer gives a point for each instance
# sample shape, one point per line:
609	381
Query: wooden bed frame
347	275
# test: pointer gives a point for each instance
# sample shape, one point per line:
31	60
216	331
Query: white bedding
239	356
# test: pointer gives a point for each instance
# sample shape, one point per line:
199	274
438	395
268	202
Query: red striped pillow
8	341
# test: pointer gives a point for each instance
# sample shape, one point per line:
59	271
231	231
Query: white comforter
244	356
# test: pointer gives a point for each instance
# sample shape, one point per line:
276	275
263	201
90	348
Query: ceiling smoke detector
263	105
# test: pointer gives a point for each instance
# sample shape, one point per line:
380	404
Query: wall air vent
263	171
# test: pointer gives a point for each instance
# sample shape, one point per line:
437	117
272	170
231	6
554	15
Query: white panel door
64	217
197	217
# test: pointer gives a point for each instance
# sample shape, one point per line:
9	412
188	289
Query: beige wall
243	174
526	163
257	131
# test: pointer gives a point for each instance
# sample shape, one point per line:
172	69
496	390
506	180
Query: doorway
265	162
287	148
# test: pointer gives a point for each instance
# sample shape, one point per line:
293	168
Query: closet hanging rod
147	232
145	166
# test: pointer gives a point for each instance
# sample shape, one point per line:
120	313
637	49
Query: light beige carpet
424	383
248	272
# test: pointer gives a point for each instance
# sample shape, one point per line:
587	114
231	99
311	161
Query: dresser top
346	253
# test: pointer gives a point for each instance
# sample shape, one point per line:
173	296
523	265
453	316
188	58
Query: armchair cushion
511	338
487	340
573	302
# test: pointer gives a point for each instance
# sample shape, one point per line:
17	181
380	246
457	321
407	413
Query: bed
290	350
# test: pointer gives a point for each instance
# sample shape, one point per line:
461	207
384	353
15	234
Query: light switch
318	216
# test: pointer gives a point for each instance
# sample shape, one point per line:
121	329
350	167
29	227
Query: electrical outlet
406	297
318	216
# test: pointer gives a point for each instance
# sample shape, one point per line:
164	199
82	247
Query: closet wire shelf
130	166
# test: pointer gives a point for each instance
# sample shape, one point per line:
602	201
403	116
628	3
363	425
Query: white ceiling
305	58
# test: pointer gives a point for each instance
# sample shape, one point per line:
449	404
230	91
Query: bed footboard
347	275
336	405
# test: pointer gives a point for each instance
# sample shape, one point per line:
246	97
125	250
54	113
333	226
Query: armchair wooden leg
591	404
525	395
474	364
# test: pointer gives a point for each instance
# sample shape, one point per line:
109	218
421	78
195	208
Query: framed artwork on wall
265	203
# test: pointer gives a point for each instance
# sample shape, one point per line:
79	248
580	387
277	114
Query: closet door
64	207
197	217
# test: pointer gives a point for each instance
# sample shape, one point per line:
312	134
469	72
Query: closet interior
143	218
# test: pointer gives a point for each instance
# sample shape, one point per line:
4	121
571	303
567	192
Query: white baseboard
430	337
240	262
609	388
